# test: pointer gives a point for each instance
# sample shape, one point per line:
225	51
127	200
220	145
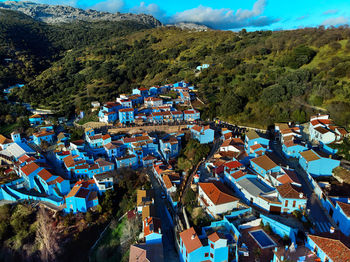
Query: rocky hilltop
190	26
53	14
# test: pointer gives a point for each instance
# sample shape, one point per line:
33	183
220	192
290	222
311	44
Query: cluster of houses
248	172
151	105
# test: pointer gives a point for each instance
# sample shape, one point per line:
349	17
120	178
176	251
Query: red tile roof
238	174
126	110
264	162
217	192
334	249
233	164
29	168
190	239
43	133
215	237
153	225
345	207
290	191
44	174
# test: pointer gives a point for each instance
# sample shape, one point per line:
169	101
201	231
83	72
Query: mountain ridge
54	14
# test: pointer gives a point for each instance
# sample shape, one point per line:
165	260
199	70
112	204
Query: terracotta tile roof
110	146
43	133
321	130
228	135
309	155
126	110
106	136
146	253
342	131
190	239
256	146
82	193
153	225
102	162
334	249
68	161
167	182
56	180
264	162
197	128
292	177
238	174
4	140
176	112
166	113
290	191
36	116
217	192
190	112
29	168
44	174
26	158
215	237
73	192
233	164
142	194
153	99
252	134
345	207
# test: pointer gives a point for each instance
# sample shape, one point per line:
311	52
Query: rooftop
217	192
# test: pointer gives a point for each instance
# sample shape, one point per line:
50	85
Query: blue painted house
253	138
82	196
191	115
204	134
341	216
212	248
130	161
317	165
43	135
126	116
291	197
36	120
328	249
264	164
142	91
152	230
169	146
292	148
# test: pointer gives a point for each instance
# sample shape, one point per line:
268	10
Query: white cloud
151	9
334	21
330	12
111	6
225	18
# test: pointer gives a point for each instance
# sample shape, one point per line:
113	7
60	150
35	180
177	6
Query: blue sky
230	14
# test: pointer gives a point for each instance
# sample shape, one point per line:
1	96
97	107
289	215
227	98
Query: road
317	213
204	174
170	254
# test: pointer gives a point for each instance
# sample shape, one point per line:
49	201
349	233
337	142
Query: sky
229	14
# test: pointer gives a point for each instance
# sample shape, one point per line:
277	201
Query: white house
153	102
216	198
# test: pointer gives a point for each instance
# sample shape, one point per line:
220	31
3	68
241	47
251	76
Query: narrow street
170	254
317	212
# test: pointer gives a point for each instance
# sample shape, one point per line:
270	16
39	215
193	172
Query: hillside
54	14
258	77
254	78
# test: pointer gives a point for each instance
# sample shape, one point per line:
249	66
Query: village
257	195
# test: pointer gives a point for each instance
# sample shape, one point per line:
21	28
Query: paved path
170	254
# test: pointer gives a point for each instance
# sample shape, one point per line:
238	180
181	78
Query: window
286	203
326	259
206	255
211	246
211	255
294	203
315	249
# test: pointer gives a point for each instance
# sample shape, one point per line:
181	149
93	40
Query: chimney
331	230
193	236
301	195
287	167
159	231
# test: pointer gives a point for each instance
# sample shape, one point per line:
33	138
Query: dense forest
255	77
